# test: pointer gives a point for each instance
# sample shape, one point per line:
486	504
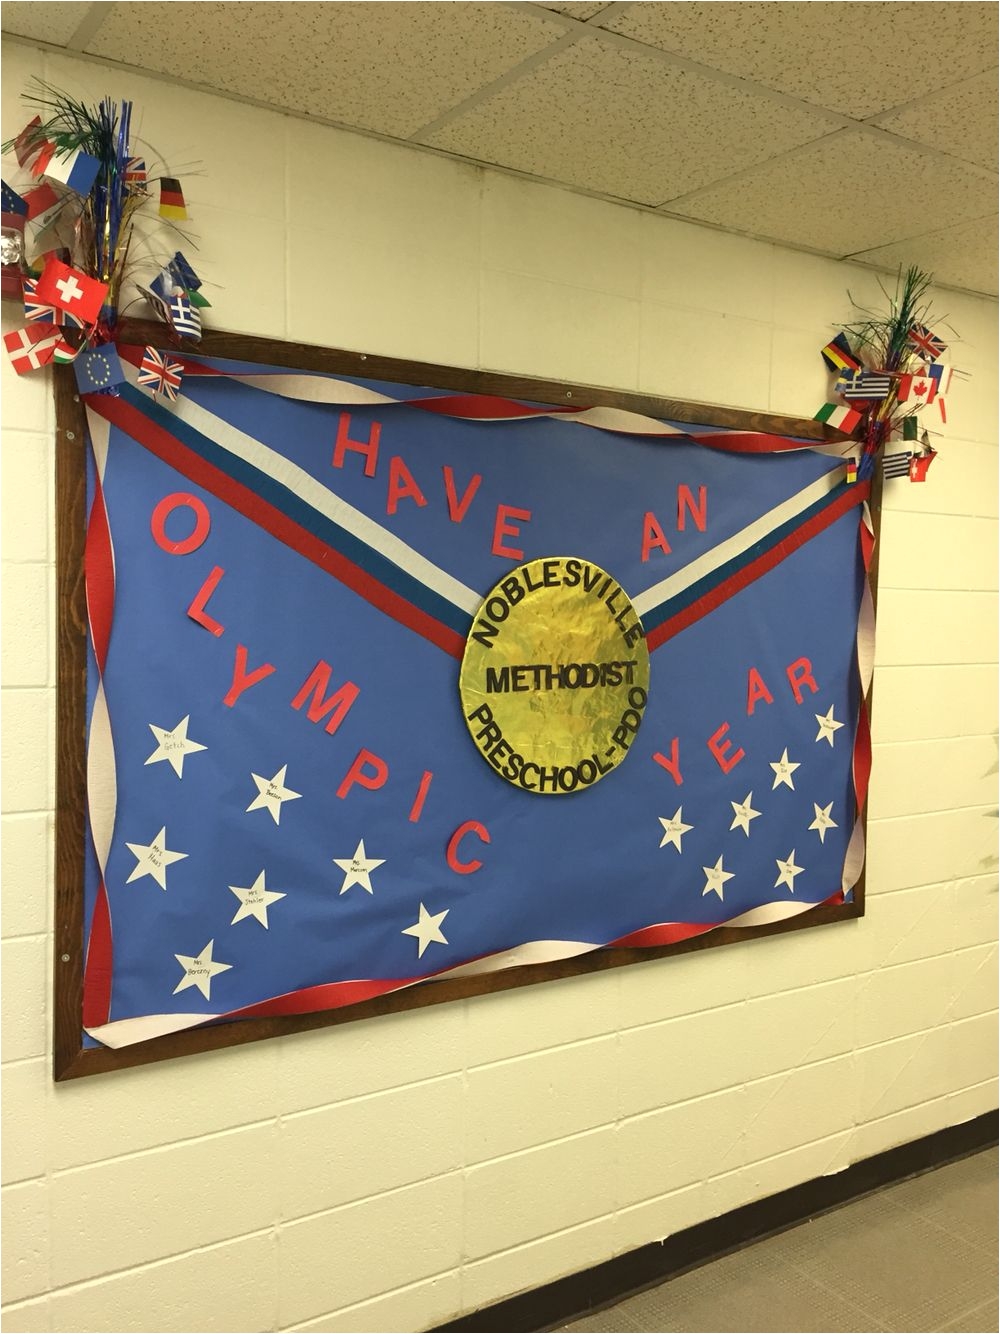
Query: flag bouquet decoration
889	368
68	229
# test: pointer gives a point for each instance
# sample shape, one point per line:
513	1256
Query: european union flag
12	201
99	369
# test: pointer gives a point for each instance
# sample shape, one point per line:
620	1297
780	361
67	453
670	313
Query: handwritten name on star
828	725
152	859
715	878
358	869
173	745
787	871
743	813
199	969
271	792
674	829
783	770
254	901
427	929
822	822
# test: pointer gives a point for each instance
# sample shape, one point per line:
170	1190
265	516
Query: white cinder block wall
393	1173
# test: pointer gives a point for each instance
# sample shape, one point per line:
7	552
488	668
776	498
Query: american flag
159	374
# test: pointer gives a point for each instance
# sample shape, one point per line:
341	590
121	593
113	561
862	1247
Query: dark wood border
71	1060
568	1299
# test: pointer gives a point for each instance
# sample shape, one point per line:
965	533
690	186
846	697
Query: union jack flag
135	171
39	310
927	343
160	375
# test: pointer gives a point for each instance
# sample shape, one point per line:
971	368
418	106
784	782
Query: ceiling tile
849	193
855	59
964	256
579	10
611	119
388	67
55	22
961	121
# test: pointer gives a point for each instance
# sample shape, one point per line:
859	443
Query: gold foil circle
555	675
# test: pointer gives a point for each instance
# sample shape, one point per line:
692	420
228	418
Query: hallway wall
392	1173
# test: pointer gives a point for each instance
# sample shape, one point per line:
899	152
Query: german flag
171	199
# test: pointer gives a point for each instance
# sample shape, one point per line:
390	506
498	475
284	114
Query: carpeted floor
921	1255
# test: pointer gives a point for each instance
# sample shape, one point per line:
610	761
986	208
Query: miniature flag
837	415
72	291
160	375
852	471
39	199
838	355
78	171
171	198
65	354
12	201
184	273
41	310
135	171
896	465
184	317
927	343
158	302
941	374
866	386
46	153
30	349
942	409
98	369
910	428
921	388
196	298
29	141
919	465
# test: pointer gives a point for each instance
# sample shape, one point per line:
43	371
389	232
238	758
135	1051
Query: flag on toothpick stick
71	290
172	199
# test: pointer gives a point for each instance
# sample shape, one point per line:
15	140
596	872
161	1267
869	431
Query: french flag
78	171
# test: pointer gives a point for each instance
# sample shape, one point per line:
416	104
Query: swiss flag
70	290
32	348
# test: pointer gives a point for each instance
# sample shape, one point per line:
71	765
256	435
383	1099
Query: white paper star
787	871
674	829
199	971
357	869
271	792
822	821
153	859
254	901
743	814
715	878
783	770
173	745
426	928
827	725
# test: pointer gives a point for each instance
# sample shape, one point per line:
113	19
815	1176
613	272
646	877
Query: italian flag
839	416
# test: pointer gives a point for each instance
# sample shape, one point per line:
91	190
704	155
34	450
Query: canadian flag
921	388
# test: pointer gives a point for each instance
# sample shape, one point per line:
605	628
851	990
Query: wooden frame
71	1059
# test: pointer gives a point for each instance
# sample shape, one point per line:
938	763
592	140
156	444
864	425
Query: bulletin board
385	684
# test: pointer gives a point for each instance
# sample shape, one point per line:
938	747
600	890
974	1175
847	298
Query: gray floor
921	1255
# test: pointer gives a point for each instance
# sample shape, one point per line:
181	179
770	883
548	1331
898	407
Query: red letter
418	801
502	529
241	680
799	674
684	497
456	507
401	484
356	773
652	536
165	508
756	689
197	610
470	827
340	701
672	765
344	442
718	747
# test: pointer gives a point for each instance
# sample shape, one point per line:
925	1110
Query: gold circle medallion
555	675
